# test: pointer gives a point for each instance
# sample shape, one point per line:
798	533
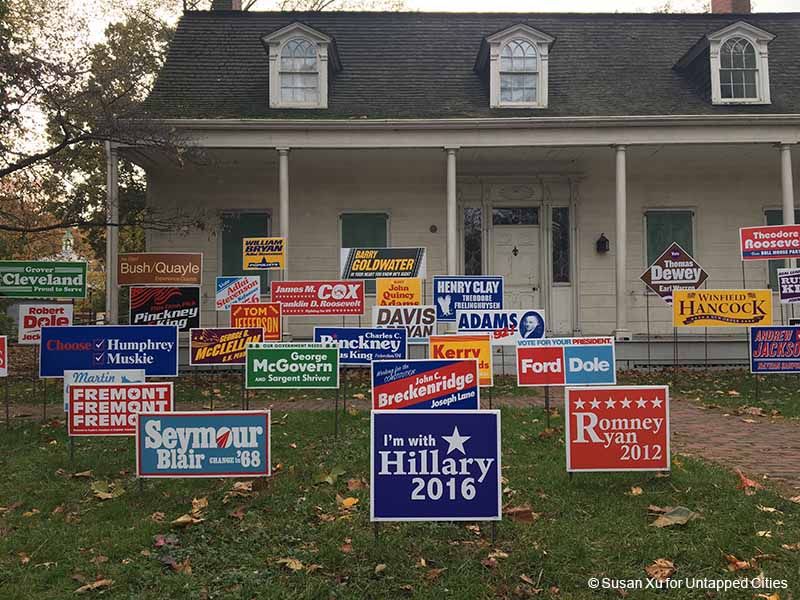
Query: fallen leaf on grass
522	514
312	568
734	564
29	513
10	507
635	491
434	574
184	568
103	490
95	585
240	489
498	554
99	559
357	484
291	563
330	477
380	569
346	503
237	513
359	397
161	540
768	509
791	547
186	520
662	569
764	534
87	474
347	547
158	517
680	515
489	563
748	485
23	558
733	393
795	499
775	596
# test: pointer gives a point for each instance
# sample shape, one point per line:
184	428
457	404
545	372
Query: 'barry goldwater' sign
370	263
99	377
506	327
319	297
359	346
160	268
429	384
566	361
775	349
721	308
32	317
237	290
418	321
111	409
203	444
179	306
770	242
675	269
221	345
153	348
292	366
789	285
42	279
617	428
462	346
451	294
435	466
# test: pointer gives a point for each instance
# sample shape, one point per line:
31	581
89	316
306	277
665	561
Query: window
775	217
365	230
518	72
238	225
526	215
665	227
561	250
738	70
740	65
473	240
299	73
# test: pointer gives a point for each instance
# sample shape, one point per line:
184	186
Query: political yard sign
359	346
789	285
770	242
3	356
566	361
398	291
160	268
506	327
478	347
153	348
721	308
292	366
203	444
435	466
266	315
425	384
263	254
107	377
178	306
675	269
237	290
111	409
221	345
32	317
370	263
451	294
42	279
319	297
418	321
775	349
617	428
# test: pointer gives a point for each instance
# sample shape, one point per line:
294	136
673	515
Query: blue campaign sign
203	444
775	349
566	361
359	346
435	466
451	294
431	384
153	348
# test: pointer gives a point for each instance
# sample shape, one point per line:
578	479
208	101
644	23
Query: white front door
516	258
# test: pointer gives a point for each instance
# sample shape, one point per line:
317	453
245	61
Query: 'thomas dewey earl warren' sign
675	269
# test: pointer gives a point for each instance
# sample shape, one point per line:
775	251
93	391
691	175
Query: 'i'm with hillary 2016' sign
452	294
429	384
42	279
292	365
435	466
566	361
203	444
775	349
359	346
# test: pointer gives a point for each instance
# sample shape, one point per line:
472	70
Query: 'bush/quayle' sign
160	268
42	279
111	409
425	384
32	317
675	269
221	345
775	349
292	366
789	285
721	308
566	361
435	466
359	346
99	377
319	297
418	321
370	263
770	242
617	428
203	444
179	306
451	294
237	290
153	348
506	327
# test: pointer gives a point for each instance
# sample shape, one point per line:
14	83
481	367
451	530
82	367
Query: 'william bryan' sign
675	269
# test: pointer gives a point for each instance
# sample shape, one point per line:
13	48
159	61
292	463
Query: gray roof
422	65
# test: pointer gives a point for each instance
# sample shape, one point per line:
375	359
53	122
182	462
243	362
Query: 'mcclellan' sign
370	263
160	268
770	242
675	269
178	306
292	366
42	279
775	349
112	409
221	346
721	308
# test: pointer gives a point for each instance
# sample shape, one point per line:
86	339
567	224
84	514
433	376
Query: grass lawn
56	536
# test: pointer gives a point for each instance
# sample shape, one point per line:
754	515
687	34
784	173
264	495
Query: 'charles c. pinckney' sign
721	308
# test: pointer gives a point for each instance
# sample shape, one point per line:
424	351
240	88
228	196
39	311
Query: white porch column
621	331
112	234
452	213
283	209
787	190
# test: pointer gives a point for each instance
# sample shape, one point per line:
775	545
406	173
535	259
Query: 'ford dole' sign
435	466
675	269
770	242
292	365
359	346
775	349
432	384
451	294
566	361
203	444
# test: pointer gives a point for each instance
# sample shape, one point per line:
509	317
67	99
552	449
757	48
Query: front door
516	249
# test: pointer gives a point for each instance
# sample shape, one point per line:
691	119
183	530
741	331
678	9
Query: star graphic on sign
626	403
456	441
641	403
656	403
610	403
579	403
595	403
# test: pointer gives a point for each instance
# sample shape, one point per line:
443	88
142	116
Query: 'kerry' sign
42	279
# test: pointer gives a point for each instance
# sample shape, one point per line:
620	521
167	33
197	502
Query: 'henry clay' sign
675	269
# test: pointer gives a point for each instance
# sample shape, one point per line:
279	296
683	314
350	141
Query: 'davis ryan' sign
398	291
111	409
770	242
32	317
775	349
451	294
221	345
617	428
237	290
428	384
675	269
292	365
266	315
478	347
721	308
203	444
370	263
359	346
566	361
435	466
789	285
153	348
42	279
418	321
178	306
160	268
319	297
506	327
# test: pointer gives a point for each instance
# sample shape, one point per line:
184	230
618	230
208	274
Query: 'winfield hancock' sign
721	308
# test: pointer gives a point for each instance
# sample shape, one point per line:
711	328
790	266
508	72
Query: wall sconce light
434	229
602	244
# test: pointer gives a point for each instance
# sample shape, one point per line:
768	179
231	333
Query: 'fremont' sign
42	279
292	366
112	409
675	269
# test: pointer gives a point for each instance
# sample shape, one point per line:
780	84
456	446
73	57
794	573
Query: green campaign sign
42	279
292	366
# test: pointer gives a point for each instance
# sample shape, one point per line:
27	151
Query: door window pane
526	215
561	250
238	225
365	230
473	242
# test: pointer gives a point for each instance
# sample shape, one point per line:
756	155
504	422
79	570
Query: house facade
562	151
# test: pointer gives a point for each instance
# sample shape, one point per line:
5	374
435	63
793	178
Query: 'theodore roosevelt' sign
292	366
42	279
770	242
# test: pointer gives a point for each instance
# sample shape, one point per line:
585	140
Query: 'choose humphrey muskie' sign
292	366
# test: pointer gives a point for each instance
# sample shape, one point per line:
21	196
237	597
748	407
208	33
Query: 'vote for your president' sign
675	269
566	361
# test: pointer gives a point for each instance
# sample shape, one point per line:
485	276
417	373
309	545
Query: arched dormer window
518	72
299	73
739	65
738	74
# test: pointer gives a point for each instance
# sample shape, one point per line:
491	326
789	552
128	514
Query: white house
503	143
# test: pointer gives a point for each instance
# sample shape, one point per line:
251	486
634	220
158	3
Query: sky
584	5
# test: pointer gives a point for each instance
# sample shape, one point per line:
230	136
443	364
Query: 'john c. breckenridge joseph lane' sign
721	308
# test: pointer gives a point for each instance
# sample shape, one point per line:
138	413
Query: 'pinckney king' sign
675	269
721	308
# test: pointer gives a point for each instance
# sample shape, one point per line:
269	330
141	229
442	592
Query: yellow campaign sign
398	291
263	253
455	347
721	308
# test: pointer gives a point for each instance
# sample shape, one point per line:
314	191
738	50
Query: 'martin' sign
770	242
160	268
721	308
112	409
675	269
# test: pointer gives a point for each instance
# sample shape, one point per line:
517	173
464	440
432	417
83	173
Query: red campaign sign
111	409
617	428
319	297
770	242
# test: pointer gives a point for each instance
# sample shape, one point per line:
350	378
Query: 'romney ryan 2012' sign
452	294
566	361
429	384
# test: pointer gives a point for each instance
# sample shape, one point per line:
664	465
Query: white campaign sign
32	317
110	376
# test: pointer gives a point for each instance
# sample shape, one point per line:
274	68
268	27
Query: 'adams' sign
675	269
721	308
505	326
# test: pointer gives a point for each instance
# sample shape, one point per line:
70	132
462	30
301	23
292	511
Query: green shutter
665	227
365	230
236	226
775	217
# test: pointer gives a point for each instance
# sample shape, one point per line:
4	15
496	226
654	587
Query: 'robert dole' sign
160	268
789	285
221	346
617	428
179	306
434	384
359	346
775	349
721	308
506	327
418	321
32	317
153	348
435	466
370	263
111	409
478	347
319	297
203	444
292	365
266	315
451	294
675	269
263	254
770	242
566	361
42	279
237	290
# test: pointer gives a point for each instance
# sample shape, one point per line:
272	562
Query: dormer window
739	65
518	72
299	73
